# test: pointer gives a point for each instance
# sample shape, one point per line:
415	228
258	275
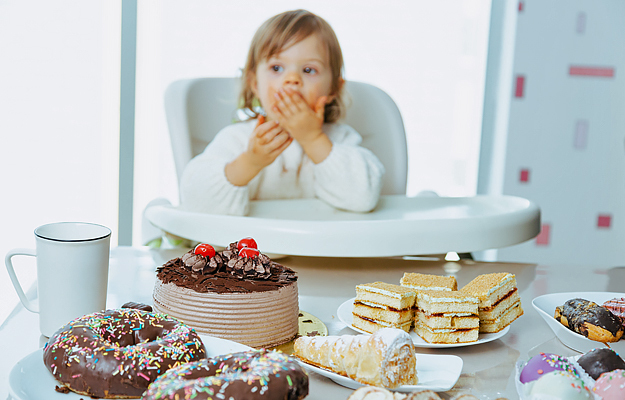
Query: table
325	283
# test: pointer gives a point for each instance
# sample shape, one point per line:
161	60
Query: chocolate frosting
226	272
601	360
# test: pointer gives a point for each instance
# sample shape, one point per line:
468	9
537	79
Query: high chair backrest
198	108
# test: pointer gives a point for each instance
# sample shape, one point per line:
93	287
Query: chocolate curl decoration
230	252
193	261
213	265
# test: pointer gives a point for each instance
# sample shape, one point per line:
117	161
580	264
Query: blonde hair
283	30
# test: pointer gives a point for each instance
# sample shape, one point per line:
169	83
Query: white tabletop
325	283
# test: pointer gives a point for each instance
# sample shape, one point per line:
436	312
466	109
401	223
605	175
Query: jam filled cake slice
383	305
500	303
428	282
446	316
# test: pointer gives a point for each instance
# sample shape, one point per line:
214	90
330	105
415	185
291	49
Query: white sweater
350	177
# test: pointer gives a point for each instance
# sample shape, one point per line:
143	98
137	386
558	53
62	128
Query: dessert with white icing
428	282
383	305
386	358
446	316
500	303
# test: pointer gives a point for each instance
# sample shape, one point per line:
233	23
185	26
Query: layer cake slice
446	316
500	303
428	282
383	305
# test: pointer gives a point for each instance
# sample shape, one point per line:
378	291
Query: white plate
546	307
311	227
438	373
344	313
30	379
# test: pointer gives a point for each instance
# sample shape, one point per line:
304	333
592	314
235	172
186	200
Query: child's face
303	67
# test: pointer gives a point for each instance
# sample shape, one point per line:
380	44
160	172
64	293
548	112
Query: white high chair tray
399	225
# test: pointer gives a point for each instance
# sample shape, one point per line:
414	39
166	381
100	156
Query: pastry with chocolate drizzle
590	319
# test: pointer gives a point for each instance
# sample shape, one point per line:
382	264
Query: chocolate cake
239	294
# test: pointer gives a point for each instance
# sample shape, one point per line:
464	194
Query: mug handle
18	288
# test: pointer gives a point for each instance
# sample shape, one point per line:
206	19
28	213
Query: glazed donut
255	374
118	353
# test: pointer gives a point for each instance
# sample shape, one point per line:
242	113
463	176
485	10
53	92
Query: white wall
59	123
566	131
429	56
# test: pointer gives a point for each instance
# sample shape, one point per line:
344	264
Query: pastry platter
30	379
546	305
344	313
399	225
438	373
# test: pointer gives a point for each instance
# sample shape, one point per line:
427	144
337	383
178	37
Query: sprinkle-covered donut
118	353
255	374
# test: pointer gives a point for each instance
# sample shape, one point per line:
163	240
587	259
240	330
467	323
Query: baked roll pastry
375	393
590	319
386	358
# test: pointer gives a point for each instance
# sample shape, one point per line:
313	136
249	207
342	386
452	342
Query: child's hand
301	121
268	140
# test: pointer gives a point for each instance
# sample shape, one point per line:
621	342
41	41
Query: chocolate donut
255	374
118	353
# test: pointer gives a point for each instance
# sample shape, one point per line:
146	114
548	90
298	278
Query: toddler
292	146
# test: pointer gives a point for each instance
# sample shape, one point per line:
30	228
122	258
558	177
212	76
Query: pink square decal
604	221
543	237
520	6
520	86
582	70
525	175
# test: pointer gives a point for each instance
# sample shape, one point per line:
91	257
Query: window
59	108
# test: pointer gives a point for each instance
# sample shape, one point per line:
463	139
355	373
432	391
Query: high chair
197	109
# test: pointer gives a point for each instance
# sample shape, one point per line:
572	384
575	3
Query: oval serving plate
438	373
546	306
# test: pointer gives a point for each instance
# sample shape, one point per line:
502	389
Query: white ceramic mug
72	272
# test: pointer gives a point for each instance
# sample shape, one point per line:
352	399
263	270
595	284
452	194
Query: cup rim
105	234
